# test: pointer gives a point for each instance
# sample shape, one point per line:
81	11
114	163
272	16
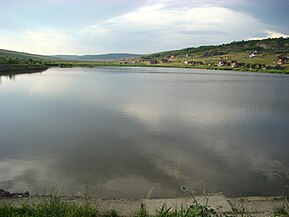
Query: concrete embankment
255	206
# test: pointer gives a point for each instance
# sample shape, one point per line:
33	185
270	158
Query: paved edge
259	206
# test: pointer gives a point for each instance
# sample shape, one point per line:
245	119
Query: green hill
12	62
4	54
265	52
268	55
273	46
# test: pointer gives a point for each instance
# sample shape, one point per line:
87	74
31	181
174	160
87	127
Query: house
222	63
164	61
153	61
282	59
194	63
172	58
197	63
259	66
234	64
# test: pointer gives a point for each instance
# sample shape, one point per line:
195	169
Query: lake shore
13	69
250	206
72	64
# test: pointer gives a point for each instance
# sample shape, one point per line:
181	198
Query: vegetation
52	206
265	58
253	56
14	65
284	211
270	46
25	56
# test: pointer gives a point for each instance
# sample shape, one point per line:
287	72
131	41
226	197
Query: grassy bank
10	69
71	64
22	68
52	206
55	206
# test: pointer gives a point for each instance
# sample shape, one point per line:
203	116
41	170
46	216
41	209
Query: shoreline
14	69
177	66
257	206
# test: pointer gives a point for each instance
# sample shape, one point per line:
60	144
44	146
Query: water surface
129	131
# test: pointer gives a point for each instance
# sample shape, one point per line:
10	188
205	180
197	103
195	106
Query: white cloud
160	27
156	26
42	41
270	34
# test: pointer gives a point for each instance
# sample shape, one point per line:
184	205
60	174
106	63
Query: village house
194	63
222	63
282	59
254	54
260	66
164	61
172	58
153	61
197	63
234	64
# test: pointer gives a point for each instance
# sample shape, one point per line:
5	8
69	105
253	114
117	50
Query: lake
134	132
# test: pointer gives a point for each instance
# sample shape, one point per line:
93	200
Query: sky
93	26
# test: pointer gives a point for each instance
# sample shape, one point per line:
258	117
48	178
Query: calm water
126	131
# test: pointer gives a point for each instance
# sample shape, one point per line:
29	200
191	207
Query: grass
283	211
71	64
191	211
6	69
53	206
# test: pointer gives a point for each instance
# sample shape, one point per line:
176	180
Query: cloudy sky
97	26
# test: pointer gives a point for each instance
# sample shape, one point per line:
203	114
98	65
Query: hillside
263	53
268	55
273	46
25	56
100	57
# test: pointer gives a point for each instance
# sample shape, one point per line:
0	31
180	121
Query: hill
268	55
100	57
273	46
263	53
25	56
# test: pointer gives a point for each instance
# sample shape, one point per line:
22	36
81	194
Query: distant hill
21	55
252	54
273	46
103	57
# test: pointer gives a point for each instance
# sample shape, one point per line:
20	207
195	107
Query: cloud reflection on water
124	133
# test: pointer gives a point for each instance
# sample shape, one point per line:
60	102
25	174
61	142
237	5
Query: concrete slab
121	206
263	206
216	201
253	206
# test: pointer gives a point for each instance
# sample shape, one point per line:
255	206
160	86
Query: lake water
130	132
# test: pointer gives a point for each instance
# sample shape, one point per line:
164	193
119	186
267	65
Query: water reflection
124	133
11	77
